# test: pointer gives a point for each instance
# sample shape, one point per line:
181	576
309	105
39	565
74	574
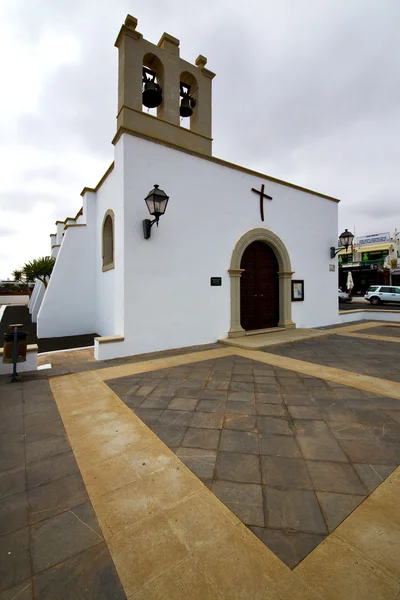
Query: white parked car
344	296
377	294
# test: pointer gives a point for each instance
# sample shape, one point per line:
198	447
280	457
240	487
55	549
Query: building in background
372	259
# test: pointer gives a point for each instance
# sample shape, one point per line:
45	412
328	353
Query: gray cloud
306	91
24	201
7	230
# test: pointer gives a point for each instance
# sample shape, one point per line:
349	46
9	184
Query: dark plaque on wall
216	281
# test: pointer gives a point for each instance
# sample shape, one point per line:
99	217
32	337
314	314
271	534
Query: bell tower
152	76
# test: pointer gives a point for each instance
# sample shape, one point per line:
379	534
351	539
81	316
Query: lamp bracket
147	225
335	251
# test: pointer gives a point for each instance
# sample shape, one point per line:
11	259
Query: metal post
15	355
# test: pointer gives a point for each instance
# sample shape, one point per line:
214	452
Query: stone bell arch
133	51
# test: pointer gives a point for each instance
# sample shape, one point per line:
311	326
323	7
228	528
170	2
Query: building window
108	241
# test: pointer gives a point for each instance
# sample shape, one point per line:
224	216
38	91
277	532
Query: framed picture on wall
297	290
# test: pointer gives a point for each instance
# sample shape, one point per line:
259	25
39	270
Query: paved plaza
291	455
215	472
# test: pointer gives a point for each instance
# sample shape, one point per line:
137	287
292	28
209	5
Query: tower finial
131	22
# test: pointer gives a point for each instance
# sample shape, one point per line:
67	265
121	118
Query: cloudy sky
306	90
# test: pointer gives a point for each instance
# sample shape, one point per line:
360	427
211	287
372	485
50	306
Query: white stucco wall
168	298
60	232
69	304
110	284
158	295
38	300
54	251
34	294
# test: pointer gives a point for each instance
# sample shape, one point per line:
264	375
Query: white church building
236	251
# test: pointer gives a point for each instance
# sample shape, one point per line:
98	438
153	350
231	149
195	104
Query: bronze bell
152	95
186	109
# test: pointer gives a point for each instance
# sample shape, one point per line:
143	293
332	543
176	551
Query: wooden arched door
259	287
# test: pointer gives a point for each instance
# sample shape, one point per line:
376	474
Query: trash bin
22	337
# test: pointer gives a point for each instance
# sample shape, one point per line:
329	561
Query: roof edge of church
100	183
214	159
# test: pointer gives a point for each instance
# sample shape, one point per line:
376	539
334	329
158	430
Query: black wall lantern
156	201
345	239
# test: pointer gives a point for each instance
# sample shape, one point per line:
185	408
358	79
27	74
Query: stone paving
384	330
51	545
378	358
291	455
93	505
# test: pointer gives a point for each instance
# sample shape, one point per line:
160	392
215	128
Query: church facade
236	251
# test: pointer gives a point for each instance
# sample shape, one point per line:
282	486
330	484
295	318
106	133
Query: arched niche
107	241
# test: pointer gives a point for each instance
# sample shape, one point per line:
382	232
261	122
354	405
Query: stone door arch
285	275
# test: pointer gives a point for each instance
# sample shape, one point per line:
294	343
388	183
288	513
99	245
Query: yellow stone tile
292	587
96	452
200	519
282	336
171	485
103	425
151	459
386	497
145	552
183	582
108	476
124	508
337	570
379	338
240	566
374	535
110	410
71	406
394	478
360	326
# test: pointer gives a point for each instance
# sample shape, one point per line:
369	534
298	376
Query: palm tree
39	268
17	274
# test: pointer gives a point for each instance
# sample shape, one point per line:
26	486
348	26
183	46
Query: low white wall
29	365
110	350
69	304
370	314
38	301
35	291
14	299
